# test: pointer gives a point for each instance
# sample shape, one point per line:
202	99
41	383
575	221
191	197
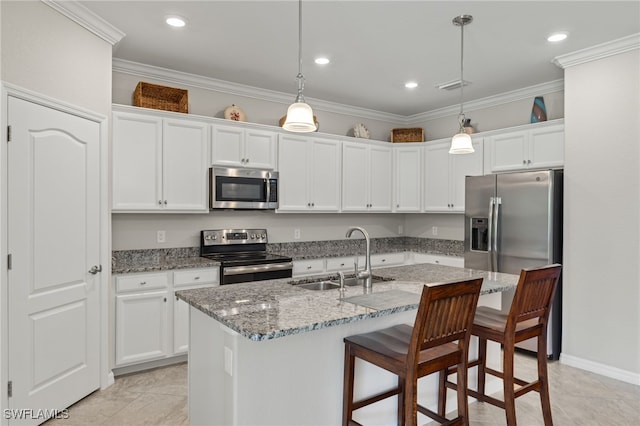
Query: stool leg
401	401
508	384
544	380
463	403
410	400
482	359
442	392
347	391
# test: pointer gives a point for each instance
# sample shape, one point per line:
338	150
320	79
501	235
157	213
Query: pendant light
299	114
461	142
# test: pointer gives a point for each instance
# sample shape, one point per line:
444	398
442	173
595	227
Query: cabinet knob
524	162
165	202
165	299
528	161
313	204
196	278
246	160
397	205
308	204
143	282
159	202
309	267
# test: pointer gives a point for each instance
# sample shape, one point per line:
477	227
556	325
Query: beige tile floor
578	398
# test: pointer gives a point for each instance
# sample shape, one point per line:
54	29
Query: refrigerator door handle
496	217
490	252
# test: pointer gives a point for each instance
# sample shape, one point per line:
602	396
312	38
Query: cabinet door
355	176
546	147
308	267
293	185
227	146
180	326
461	166
508	151
380	179
408	178
324	175
185	167
137	159
436	193
260	149
141	327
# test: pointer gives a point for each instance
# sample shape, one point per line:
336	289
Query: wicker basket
149	95
414	134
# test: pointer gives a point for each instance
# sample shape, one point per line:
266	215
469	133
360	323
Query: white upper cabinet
445	175
366	177
233	146
309	179
541	146
159	164
407	164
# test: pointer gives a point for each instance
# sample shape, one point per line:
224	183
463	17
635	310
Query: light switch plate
228	361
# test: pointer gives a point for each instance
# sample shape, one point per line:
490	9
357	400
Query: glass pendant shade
299	118
461	144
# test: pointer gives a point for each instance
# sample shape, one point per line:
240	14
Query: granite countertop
133	265
271	309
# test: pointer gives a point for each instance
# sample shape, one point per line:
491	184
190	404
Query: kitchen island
271	353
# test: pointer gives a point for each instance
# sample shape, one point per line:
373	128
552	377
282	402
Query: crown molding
598	51
208	83
86	19
490	101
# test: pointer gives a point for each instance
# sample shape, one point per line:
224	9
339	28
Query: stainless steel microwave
251	189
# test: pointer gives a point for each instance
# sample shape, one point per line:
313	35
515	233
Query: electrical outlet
296	234
228	361
161	237
434	230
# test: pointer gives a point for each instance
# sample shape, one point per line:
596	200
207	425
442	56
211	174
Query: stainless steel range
243	256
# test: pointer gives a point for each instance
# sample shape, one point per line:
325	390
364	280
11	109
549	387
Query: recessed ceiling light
175	21
556	37
411	85
322	61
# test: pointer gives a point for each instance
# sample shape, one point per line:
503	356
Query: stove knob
207	237
215	237
253	236
264	236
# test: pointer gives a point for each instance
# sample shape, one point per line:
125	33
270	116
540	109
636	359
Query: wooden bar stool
527	318
445	315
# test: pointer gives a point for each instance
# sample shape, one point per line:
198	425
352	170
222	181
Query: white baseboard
602	369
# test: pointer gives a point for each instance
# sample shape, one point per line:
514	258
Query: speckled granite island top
271	309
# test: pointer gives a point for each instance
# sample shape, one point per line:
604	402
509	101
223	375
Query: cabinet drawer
335	264
306	267
387	259
141	282
190	277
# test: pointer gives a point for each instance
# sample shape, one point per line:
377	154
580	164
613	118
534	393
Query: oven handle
239	270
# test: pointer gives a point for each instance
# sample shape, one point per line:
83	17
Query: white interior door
54	240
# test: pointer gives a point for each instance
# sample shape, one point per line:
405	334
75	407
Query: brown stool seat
439	339
527	318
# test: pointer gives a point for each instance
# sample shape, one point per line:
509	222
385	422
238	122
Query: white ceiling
374	46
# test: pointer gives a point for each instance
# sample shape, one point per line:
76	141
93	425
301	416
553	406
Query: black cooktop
249	258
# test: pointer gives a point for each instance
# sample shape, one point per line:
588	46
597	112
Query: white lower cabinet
308	267
387	259
151	323
335	264
141	326
438	259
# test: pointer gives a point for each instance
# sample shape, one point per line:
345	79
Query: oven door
242	189
246	273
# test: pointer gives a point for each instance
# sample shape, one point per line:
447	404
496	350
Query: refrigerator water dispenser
479	234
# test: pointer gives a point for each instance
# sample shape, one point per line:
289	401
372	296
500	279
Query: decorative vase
539	111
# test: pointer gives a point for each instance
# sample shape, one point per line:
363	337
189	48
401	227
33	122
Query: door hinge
9	261
10	389
8	133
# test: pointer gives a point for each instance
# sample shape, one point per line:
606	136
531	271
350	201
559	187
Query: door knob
95	269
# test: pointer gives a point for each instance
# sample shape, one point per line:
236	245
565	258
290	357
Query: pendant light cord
300	77
461	114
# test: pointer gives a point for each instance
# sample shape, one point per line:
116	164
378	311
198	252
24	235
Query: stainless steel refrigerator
514	221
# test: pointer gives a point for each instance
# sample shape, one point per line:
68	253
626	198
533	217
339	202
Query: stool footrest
375	398
439	418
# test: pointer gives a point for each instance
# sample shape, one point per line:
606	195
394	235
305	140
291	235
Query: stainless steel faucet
366	274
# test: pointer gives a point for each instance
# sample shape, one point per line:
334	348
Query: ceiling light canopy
175	21
411	85
299	114
322	61
461	142
557	37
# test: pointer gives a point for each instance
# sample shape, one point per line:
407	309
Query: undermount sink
331	283
320	285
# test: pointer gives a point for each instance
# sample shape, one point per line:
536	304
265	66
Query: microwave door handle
267	184
496	230
491	231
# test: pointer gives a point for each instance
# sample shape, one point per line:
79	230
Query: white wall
602	216
45	52
138	231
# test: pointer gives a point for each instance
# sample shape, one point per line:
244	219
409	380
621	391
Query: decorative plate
234	113
360	131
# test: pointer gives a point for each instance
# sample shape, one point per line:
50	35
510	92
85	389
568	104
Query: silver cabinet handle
196	278
165	202
159	202
528	161
524	161
143	282
95	269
